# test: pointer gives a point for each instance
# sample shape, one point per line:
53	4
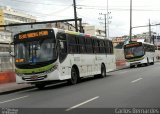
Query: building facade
9	16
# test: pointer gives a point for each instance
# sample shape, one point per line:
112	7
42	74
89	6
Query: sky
89	10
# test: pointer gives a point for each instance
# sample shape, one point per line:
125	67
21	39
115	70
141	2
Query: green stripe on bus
137	59
35	70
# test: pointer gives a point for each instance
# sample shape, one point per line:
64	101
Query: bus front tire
74	77
103	71
40	86
146	64
152	63
132	66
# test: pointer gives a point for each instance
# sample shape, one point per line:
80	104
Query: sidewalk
13	87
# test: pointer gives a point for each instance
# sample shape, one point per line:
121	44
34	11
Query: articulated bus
43	56
139	53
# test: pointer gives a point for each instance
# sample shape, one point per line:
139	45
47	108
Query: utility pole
130	21
105	23
75	15
150	37
157	41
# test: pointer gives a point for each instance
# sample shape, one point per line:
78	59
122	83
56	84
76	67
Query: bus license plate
34	77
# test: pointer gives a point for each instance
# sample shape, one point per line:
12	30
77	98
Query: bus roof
134	42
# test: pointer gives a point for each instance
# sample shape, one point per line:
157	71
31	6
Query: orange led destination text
131	45
33	35
19	60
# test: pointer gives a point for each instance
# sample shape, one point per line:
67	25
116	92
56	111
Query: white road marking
13	99
136	80
123	72
34	88
78	105
54	84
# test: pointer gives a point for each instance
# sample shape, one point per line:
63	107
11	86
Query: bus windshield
35	52
133	52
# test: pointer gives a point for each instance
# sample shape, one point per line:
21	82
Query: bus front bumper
37	77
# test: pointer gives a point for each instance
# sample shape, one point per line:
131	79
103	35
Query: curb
31	87
120	69
16	90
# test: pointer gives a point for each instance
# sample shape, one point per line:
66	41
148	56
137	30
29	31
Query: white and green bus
139	53
43	56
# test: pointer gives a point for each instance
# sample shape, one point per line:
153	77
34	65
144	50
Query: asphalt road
128	88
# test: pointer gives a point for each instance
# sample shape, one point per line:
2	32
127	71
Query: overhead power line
119	9
116	8
146	25
39	3
97	6
42	14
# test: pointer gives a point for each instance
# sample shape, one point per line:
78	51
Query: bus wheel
132	66
74	76
139	65
40	86
152	63
103	71
146	64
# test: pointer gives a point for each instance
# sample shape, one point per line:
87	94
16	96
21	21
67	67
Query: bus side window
72	44
96	46
89	47
82	47
62	44
146	48
104	48
101	46
111	47
107	46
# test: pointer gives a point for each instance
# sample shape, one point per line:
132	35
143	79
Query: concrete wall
119	53
157	55
7	77
89	29
120	60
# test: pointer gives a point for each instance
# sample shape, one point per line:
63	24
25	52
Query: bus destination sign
134	44
33	34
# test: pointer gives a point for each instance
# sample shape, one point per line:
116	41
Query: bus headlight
52	69
19	74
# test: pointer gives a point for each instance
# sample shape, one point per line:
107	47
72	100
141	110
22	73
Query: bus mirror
11	52
61	45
